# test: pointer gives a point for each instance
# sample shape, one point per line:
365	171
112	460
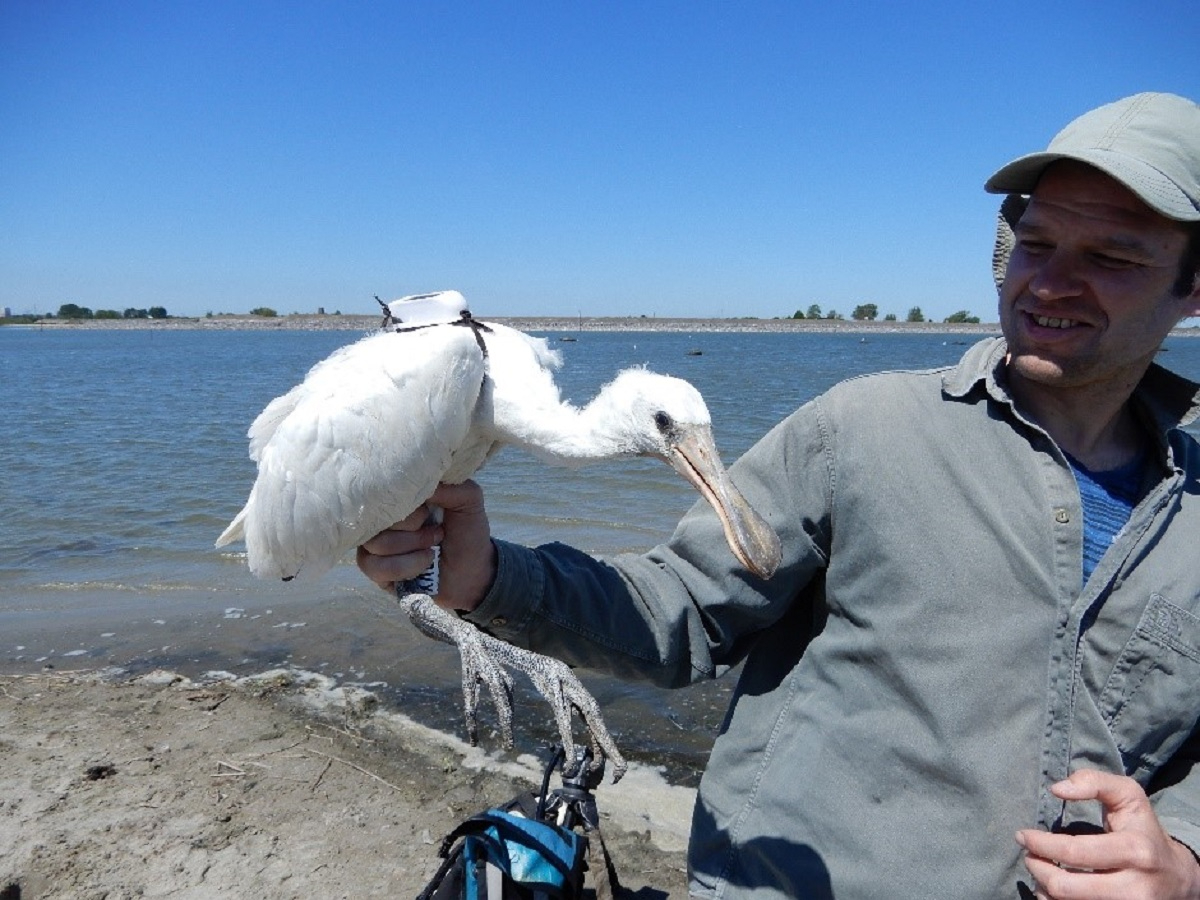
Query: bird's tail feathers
235	531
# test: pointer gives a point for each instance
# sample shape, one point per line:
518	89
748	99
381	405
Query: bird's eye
663	422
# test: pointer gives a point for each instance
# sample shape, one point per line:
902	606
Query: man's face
1087	300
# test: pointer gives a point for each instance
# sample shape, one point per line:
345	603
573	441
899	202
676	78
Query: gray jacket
925	663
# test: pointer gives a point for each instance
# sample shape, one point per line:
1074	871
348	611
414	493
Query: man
987	617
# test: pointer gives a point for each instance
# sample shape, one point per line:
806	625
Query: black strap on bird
465	320
388	318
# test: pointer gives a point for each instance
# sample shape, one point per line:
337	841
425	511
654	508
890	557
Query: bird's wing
321	377
269	419
358	445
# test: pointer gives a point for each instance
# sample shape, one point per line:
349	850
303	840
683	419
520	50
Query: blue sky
557	158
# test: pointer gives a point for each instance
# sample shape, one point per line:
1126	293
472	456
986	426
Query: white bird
365	439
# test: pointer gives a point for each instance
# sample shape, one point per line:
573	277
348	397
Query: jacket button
499	622
1061	516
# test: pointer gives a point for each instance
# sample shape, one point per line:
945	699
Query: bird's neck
566	435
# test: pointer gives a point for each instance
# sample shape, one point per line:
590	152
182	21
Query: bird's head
666	418
646	411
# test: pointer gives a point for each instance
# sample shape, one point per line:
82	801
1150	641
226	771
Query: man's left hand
1135	858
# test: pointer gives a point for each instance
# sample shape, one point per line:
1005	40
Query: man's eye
1115	262
1031	246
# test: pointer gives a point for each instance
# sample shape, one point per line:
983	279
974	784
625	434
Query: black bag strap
439	878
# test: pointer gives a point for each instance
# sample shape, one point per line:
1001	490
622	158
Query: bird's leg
478	668
483	657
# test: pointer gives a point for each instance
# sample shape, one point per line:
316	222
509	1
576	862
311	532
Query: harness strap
465	319
477	328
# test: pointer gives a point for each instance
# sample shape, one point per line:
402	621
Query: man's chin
1038	367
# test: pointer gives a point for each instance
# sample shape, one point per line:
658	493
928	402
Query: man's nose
1058	274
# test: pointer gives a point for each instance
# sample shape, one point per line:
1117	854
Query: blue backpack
529	849
497	855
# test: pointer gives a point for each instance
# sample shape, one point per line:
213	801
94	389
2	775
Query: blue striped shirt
1108	499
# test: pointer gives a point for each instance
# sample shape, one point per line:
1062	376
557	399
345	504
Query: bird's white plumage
365	439
370	432
358	445
372	429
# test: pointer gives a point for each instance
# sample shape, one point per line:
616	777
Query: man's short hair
1189	266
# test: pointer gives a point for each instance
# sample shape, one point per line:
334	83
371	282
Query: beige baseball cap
1148	142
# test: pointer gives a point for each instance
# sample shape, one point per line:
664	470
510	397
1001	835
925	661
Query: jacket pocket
1151	701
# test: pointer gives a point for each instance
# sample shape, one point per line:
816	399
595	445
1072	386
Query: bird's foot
483	659
478	667
564	692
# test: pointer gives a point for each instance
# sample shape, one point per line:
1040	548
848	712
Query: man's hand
468	559
1134	859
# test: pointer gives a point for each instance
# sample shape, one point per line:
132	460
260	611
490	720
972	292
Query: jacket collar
1167	400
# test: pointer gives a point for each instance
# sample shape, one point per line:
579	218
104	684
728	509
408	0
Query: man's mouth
1053	321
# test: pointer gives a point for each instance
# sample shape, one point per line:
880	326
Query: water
123	455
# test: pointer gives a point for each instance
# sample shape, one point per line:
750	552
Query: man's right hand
468	560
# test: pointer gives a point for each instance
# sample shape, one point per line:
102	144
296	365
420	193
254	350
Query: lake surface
124	455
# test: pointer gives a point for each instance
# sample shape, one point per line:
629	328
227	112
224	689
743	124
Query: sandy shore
283	785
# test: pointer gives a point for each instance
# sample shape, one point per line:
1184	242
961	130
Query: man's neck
1099	429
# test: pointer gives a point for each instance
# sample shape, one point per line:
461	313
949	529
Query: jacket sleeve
686	610
1175	794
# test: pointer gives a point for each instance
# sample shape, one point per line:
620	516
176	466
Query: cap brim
1021	175
1155	190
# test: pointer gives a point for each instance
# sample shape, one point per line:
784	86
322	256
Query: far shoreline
556	324
368	323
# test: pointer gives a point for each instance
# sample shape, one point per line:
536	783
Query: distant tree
865	311
915	315
264	311
74	311
107	314
890	317
814	311
798	314
132	313
834	314
157	312
961	316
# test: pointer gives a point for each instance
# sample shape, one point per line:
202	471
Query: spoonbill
370	432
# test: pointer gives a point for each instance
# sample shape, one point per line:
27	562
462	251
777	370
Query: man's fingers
401	552
468	555
459	498
1113	791
1064	884
1135	857
468	561
1126	806
404	537
385	571
1079	851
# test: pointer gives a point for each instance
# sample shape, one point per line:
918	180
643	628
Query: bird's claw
564	692
480	669
483	659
